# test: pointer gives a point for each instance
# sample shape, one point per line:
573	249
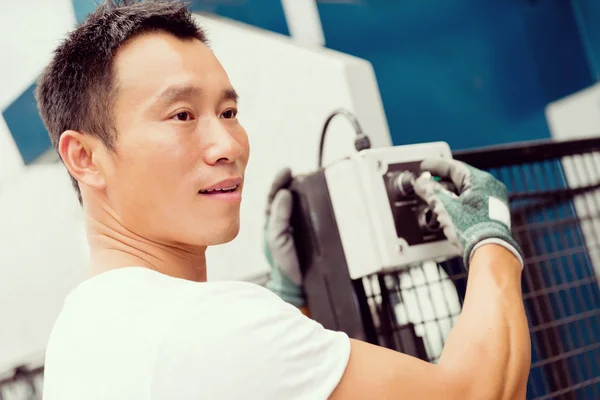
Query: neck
113	246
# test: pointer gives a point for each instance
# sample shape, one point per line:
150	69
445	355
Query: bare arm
486	356
491	337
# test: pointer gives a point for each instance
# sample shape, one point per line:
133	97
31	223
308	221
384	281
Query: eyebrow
230	94
173	94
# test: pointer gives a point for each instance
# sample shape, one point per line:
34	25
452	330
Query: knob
428	221
402	183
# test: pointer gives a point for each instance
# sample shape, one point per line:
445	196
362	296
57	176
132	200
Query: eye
229	114
183	116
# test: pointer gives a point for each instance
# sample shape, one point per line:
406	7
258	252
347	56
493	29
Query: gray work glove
478	215
285	278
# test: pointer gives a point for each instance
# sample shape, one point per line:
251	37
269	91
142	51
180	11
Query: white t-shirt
136	334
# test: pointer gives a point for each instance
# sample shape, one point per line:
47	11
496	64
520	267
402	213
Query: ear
79	154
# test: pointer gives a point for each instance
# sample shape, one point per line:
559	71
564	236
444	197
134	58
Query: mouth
218	190
227	190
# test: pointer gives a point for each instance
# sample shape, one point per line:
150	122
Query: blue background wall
470	72
587	14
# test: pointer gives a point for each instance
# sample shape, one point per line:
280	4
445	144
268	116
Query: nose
222	145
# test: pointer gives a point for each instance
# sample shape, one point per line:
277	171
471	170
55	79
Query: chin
225	235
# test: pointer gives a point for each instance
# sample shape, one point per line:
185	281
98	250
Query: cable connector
362	142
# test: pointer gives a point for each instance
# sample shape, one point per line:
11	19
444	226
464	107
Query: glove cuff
490	232
502	243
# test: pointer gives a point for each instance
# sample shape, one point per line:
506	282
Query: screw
400	248
382	167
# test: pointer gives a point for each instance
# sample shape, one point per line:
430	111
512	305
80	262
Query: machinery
367	198
377	267
357	217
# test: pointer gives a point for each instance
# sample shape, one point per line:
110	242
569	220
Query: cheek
149	169
146	185
160	151
245	145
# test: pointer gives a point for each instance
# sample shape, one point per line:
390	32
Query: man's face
178	138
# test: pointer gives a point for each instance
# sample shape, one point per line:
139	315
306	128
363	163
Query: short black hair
76	90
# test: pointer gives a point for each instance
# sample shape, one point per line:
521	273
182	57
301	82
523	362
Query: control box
362	211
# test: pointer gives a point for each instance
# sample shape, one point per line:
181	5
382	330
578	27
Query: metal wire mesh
555	207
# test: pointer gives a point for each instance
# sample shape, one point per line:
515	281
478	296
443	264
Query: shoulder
241	299
247	337
223	309
242	291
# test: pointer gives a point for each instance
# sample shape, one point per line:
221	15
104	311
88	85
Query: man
144	118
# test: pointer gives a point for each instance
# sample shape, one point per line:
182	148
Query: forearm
490	341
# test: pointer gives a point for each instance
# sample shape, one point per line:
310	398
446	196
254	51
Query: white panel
304	22
575	116
365	221
30	31
580	172
353	217
11	162
40	237
366	101
578	116
373	164
43	255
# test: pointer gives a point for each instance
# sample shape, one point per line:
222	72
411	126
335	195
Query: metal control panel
360	216
414	221
382	224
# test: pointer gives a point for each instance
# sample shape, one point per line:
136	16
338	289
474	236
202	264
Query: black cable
361	142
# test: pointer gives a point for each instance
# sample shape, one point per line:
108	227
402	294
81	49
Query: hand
478	215
285	278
